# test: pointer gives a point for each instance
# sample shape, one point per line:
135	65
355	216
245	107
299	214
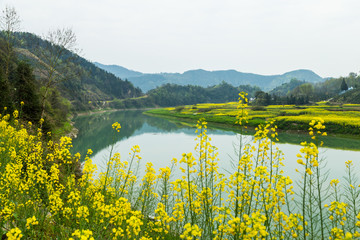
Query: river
161	140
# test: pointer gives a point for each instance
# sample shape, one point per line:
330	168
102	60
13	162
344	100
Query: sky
256	36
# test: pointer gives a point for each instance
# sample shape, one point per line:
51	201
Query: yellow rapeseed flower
116	126
14	234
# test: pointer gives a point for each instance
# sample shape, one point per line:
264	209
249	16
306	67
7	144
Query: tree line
169	95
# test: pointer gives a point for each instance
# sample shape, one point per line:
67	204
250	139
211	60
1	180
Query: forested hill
209	78
88	85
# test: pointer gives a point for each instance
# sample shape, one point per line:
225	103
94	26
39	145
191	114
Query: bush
204	110
179	108
258	108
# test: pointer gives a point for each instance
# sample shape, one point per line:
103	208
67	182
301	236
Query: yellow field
339	118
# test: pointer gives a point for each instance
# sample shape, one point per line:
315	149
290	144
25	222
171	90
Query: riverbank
339	119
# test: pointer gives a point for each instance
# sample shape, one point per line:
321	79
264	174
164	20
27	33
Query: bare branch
10	20
9	23
64	37
57	52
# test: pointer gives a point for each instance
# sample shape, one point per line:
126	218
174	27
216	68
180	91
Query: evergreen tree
267	99
26	92
5	95
344	86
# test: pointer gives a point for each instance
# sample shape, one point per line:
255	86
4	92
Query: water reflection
95	130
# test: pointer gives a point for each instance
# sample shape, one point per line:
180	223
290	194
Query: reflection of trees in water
95	130
163	124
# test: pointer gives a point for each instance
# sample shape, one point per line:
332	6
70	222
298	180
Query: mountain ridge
118	70
205	78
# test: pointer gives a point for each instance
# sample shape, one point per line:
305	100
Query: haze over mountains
209	78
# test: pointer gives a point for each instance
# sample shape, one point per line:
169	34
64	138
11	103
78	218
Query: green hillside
88	86
286	88
351	96
338	90
73	84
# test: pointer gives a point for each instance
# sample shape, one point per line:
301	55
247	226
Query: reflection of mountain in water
95	130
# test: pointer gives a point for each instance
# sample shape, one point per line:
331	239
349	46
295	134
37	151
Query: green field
339	119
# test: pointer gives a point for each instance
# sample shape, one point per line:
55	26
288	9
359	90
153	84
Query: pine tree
344	86
5	96
26	92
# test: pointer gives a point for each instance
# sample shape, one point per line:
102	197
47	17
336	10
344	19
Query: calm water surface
161	140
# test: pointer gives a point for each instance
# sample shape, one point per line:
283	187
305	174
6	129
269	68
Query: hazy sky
258	36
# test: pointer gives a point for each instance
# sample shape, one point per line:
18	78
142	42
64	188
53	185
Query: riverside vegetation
44	196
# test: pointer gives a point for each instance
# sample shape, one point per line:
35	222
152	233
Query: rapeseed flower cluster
42	195
242	116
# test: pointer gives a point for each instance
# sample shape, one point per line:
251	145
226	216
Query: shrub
179	108
258	108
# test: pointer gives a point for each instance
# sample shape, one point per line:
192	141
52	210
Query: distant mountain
119	71
210	78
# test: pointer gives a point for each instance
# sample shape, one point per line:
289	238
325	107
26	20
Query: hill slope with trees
43	79
85	85
337	90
